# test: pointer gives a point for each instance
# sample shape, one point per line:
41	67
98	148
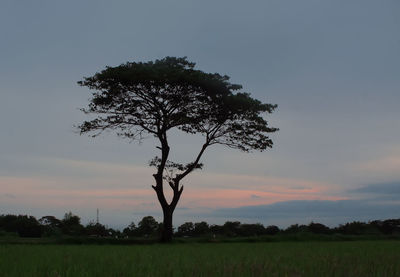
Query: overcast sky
332	66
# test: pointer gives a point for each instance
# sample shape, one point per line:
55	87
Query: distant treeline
70	225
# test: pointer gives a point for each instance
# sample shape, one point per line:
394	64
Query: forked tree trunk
168	209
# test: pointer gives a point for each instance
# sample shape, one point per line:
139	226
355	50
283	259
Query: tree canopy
153	97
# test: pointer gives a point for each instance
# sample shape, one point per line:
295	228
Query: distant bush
185	230
296	228
71	225
318	228
272	230
249	230
96	229
23	225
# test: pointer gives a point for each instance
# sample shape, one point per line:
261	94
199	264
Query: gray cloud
183	208
300	188
380	189
304	211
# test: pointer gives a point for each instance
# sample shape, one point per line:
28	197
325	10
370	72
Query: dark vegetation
136	100
148	230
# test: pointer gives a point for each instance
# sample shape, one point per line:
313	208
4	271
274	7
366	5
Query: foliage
8	223
131	230
230	228
50	221
186	229
353	228
272	230
216	229
139	98
296	228
390	226
201	228
318	228
147	226
96	229
25	226
248	230
51	225
71	225
28	226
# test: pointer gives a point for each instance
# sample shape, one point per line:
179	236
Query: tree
50	220
8	222
138	99
147	226
131	230
296	228
272	230
201	228
28	226
231	228
318	228
71	225
352	228
50	225
96	229
24	225
247	230
186	229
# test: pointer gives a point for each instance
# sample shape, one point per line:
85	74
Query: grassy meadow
346	258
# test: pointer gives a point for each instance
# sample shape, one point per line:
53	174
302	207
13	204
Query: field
351	258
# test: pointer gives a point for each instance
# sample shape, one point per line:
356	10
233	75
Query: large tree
139	99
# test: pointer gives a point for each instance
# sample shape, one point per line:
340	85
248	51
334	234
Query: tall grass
355	258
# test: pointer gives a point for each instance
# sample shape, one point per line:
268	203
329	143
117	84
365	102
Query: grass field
355	258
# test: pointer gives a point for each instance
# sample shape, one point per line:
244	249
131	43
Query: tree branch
193	165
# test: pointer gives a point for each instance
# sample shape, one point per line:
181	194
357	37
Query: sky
332	66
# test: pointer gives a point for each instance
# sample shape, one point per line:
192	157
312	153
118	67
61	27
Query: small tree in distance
140	99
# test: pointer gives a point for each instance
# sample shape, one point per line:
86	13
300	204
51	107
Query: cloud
96	183
301	188
384	167
183	208
380	189
9	195
305	211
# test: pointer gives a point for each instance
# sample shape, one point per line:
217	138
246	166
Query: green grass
352	258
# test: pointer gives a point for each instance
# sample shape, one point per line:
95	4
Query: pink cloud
216	198
129	188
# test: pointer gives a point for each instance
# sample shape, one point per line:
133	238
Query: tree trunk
167	230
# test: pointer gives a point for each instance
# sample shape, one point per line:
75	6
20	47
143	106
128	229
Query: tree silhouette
186	229
131	230
51	225
147	226
272	230
201	228
71	224
152	98
96	229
